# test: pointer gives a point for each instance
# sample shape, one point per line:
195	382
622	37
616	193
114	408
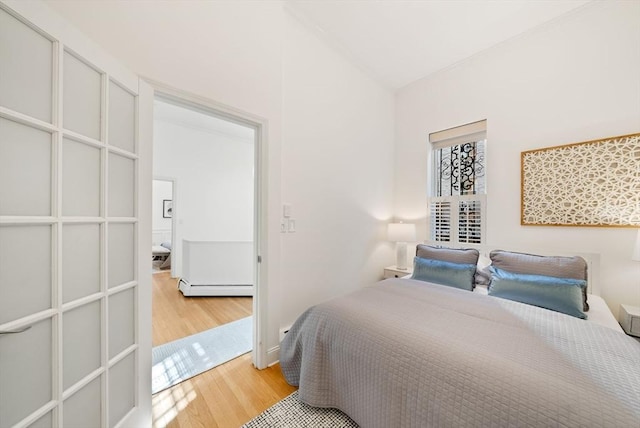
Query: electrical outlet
292	226
283	332
283	226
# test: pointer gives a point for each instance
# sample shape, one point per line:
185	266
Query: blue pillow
459	275
558	294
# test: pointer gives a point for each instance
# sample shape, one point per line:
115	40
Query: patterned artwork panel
595	183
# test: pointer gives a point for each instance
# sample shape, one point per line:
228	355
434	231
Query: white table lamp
401	233
636	249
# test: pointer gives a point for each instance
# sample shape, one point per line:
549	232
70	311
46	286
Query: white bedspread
405	353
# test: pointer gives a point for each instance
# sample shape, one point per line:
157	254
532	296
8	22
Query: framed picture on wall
589	184
167	208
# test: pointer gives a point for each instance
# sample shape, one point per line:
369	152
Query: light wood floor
226	396
176	316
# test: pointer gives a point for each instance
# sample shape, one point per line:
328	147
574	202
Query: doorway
214	226
261	355
163	201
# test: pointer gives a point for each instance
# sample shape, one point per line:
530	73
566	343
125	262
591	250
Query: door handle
17	330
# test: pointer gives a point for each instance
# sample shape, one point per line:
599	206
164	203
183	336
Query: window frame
458	136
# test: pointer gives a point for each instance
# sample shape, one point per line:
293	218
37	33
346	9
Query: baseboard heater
201	290
214	268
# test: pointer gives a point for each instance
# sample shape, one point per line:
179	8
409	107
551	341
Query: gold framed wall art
590	184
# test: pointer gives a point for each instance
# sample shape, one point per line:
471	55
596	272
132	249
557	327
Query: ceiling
400	41
395	41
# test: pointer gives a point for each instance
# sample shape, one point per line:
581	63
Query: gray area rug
185	358
292	413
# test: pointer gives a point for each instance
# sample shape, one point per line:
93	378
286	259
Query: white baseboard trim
273	356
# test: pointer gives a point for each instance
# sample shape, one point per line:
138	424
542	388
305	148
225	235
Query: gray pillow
532	264
453	255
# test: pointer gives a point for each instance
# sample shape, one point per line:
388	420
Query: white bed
420	352
161	255
599	311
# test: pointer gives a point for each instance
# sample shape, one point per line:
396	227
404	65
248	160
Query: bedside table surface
394	272
632	310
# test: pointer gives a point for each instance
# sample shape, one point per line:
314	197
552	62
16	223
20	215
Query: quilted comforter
405	353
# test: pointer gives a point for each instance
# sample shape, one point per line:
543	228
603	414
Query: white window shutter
470	222
441	219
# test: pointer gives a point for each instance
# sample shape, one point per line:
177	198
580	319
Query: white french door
74	177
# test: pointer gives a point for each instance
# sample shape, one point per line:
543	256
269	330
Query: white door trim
259	353
174	216
145	174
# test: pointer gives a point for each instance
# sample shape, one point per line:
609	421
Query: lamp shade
401	232
636	249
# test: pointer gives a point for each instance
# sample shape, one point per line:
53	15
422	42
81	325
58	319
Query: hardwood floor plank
176	316
226	396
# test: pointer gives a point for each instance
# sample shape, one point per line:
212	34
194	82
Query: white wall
242	70
575	79
330	151
214	183
337	173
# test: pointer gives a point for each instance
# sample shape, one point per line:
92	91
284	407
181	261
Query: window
457	202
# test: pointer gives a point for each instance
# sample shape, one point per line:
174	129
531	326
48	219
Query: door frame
174	198
259	353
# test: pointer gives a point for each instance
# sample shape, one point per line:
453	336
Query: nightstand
394	272
629	319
